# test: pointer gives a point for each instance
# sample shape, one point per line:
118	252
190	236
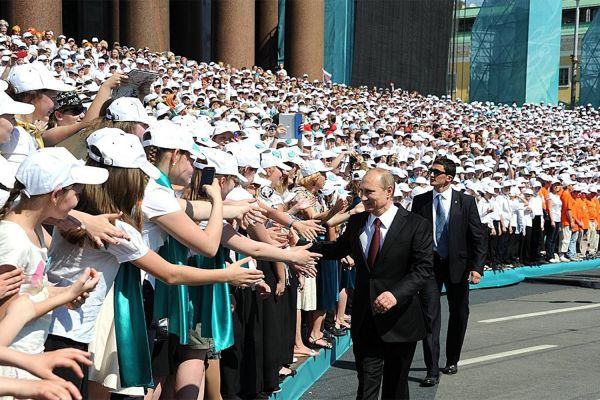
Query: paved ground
545	356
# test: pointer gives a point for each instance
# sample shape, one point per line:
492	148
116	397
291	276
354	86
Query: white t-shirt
158	200
7	178
20	145
16	249
68	262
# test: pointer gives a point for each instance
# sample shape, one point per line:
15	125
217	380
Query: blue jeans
572	251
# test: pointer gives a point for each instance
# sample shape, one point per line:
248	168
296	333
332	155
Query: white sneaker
563	259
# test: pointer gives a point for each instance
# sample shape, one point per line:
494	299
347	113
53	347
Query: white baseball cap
127	109
311	167
166	134
225	127
201	131
9	106
115	148
51	168
268	160
224	163
35	76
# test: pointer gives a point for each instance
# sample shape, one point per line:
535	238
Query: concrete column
145	23
115	17
267	18
233	32
42	15
304	30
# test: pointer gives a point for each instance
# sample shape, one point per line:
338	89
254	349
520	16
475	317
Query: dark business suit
384	344
466	253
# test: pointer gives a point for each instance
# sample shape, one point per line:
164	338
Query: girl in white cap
167	147
123	157
35	85
48	183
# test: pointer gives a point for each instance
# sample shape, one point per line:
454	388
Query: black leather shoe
430	381
450	369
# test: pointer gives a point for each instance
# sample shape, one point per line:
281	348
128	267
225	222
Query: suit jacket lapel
395	228
357	245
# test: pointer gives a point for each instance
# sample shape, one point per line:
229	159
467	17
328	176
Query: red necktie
375	243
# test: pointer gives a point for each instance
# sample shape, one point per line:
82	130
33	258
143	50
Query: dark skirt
328	288
348	278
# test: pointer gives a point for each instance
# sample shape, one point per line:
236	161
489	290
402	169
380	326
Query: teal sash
172	301
215	304
133	353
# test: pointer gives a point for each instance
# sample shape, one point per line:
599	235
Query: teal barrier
492	279
312	369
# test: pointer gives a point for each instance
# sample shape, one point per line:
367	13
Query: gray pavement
547	357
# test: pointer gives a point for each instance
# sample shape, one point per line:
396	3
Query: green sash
133	354
215	305
172	301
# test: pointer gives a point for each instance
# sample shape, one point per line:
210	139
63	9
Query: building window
564	76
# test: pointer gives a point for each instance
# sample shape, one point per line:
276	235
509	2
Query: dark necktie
375	243
441	228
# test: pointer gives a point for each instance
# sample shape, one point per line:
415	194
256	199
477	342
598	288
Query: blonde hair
123	192
308	182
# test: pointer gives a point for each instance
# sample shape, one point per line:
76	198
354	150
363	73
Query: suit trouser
376	359
457	295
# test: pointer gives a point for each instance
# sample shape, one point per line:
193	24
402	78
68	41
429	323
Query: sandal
313	342
312	353
292	373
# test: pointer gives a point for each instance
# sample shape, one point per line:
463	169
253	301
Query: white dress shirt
446	197
367	233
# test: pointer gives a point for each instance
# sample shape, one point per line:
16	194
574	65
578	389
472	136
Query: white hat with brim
127	109
166	134
268	160
35	76
9	106
113	147
312	167
48	169
223	163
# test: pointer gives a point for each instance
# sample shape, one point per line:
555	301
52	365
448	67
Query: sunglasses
436	172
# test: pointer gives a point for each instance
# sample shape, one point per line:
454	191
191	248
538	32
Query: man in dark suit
392	249
459	255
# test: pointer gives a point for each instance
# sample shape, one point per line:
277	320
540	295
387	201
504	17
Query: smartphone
208	174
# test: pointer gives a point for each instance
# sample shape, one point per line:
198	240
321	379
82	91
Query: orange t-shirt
567	204
583	212
543	193
591	207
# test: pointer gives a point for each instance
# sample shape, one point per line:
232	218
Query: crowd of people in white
132	257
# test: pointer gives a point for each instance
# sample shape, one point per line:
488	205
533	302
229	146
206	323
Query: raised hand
80	289
43	364
10	282
243	277
101	229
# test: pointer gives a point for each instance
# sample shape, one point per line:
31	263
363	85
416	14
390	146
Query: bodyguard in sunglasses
459	247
